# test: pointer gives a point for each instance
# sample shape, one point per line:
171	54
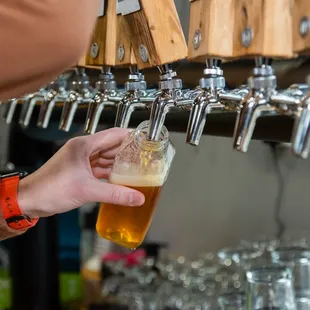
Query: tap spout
202	106
27	109
9	111
301	131
163	103
129	103
251	109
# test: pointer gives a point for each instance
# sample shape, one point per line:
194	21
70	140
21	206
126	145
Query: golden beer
127	226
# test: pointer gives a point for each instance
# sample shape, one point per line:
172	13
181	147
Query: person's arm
39	39
72	177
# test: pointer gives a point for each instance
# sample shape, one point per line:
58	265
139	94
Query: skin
39	39
72	176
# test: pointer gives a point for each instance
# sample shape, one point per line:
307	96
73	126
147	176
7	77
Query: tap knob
135	87
9	110
106	88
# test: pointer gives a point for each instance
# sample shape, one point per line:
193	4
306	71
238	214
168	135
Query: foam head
138	180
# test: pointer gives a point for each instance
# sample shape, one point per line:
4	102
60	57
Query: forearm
39	39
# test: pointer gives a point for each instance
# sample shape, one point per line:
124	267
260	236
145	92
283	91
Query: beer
127	226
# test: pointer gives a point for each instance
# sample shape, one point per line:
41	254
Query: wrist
26	199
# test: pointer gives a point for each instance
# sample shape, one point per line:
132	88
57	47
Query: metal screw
247	36
144	55
94	50
121	52
304	26
197	39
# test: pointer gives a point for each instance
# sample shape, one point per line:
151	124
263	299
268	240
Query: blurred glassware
270	287
298	259
232	301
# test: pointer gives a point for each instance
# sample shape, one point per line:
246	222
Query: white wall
214	196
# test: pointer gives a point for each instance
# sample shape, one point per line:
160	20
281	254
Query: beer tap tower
211	40
159	41
301	45
109	47
264	33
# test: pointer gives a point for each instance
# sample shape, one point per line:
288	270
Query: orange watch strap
9	205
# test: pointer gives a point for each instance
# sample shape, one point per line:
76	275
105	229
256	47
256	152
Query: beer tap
135	90
106	89
301	45
210	22
29	103
9	109
264	41
56	93
80	93
159	46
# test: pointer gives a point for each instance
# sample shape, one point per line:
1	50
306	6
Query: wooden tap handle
211	29
124	51
156	33
102	51
263	28
301	26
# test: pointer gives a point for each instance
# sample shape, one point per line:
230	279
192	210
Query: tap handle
27	109
102	50
94	111
257	33
301	26
210	29
9	110
301	131
156	30
124	53
68	112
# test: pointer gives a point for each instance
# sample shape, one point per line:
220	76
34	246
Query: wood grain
105	35
301	44
157	27
271	22
215	21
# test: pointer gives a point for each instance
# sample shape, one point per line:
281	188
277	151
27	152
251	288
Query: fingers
106	139
102	173
110	193
102	162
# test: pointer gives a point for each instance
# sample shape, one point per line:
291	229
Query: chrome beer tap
9	109
264	100
28	105
168	98
301	131
211	97
56	93
80	93
106	90
135	98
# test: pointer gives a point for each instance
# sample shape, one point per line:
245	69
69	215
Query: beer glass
142	165
270	287
298	259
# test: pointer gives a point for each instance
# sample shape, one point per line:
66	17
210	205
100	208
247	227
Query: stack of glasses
254	275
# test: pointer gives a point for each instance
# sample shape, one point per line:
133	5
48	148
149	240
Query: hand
71	177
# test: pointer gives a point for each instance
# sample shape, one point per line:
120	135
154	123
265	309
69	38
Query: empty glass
298	259
232	301
270	287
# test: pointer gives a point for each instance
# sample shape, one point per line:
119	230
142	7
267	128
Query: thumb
112	193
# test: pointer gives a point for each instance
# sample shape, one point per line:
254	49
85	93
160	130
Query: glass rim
291	254
143	128
268	274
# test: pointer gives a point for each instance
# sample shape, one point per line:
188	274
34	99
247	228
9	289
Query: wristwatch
12	214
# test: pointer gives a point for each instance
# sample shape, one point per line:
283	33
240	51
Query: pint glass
142	165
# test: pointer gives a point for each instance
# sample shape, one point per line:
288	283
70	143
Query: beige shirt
38	40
